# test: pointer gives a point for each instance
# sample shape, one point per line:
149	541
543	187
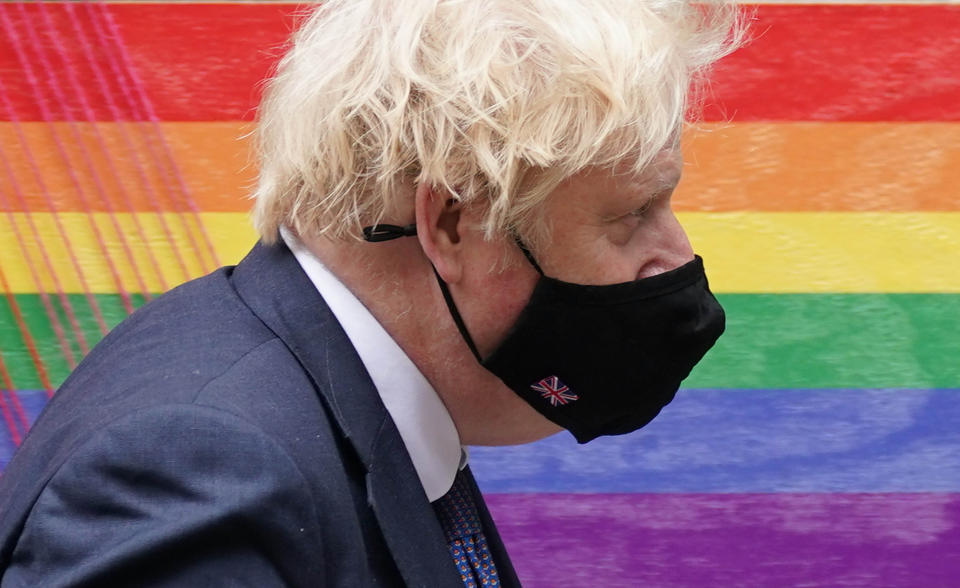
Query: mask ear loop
452	307
455	313
379	233
527	254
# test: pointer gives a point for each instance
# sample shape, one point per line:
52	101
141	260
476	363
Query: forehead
606	190
663	172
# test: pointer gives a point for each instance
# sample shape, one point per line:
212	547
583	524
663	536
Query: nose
667	246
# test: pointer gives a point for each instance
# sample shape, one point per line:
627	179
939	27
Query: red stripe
134	155
79	94
844	63
15	32
810	62
115	46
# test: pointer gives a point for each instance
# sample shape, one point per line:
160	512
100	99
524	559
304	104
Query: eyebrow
645	194
656	187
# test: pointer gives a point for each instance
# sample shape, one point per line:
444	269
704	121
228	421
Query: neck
395	282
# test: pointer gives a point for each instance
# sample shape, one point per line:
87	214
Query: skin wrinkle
387	276
555	121
471	95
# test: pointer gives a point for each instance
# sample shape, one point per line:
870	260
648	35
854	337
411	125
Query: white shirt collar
423	421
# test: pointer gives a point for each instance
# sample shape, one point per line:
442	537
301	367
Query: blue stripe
32	402
735	441
753	441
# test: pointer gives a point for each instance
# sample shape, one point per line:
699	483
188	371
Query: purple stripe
664	540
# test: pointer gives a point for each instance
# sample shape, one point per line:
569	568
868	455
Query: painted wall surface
817	445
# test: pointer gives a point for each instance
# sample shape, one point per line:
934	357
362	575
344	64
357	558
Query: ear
439	226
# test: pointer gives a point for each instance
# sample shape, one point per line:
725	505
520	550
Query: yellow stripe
828	252
744	252
231	234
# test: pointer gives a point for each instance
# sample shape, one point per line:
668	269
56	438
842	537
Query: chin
520	425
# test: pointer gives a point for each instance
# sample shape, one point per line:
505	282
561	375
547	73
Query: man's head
494	101
483	122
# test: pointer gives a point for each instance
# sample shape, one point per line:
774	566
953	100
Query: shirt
425	425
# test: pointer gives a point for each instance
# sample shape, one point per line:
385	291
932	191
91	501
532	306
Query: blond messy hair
496	100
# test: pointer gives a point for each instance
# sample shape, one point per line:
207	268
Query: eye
640	212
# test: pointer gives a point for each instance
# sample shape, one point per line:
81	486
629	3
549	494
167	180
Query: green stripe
13	346
772	341
835	341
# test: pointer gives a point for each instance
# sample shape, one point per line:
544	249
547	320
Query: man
466	239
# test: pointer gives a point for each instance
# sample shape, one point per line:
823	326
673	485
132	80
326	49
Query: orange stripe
212	157
838	167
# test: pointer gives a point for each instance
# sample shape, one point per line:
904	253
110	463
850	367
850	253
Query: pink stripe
113	45
132	151
696	540
31	349
47	116
151	115
45	299
54	36
152	133
35	168
6	387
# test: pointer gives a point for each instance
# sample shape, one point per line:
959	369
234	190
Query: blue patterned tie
461	524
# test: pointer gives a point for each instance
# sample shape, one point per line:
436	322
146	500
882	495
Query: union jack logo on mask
554	390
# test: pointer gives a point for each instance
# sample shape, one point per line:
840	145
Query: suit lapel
277	290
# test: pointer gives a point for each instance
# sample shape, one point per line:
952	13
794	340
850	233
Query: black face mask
601	360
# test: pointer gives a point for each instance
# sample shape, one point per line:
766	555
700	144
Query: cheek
496	286
510	290
595	261
500	299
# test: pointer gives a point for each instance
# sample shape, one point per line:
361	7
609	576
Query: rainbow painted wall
818	444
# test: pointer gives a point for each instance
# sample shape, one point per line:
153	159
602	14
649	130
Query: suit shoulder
161	476
165	354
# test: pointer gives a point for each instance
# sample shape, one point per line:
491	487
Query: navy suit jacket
226	433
